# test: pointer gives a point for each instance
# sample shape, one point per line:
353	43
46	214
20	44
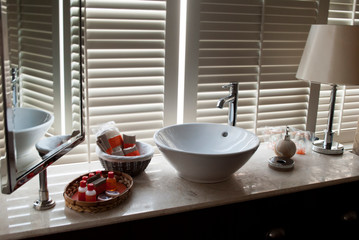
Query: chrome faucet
14	87
232	99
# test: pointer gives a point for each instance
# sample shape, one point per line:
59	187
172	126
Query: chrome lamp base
336	148
328	146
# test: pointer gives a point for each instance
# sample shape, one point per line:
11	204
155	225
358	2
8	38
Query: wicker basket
132	165
94	207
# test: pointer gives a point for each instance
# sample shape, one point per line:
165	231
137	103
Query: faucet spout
232	99
225	100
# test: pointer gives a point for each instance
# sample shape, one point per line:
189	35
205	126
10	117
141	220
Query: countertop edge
175	210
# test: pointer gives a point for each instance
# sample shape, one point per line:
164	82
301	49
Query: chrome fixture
232	99
44	202
14	87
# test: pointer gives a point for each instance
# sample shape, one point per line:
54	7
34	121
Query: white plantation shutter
125	47
258	44
283	99
343	12
229	47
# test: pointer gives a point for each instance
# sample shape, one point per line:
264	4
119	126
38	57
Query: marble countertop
159	191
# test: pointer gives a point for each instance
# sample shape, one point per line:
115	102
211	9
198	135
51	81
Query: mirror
41	103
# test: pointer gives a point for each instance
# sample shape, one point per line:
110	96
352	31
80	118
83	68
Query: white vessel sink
205	152
29	126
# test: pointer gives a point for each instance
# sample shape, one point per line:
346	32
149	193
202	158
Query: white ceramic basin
29	126
205	152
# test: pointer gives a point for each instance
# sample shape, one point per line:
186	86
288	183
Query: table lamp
331	56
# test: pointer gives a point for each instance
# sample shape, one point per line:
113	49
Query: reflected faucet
14	87
232	99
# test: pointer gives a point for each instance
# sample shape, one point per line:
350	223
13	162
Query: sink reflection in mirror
28	126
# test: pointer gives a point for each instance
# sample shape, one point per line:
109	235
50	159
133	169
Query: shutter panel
229	45
258	44
125	43
283	99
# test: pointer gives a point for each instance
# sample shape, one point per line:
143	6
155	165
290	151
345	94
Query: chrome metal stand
44	202
335	149
328	146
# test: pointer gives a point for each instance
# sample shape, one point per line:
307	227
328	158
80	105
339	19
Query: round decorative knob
276	233
350	216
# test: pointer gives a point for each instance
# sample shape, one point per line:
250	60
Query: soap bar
100	185
103	143
103	197
129	141
115	141
118	151
131	151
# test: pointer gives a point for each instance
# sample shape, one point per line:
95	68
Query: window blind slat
127	82
126	63
123	44
115	24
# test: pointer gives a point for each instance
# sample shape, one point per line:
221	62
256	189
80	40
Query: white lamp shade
331	55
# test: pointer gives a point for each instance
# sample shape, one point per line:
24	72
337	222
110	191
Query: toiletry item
113	136
131	151
112	194
103	197
111	182
93	178
82	191
90	193
100	185
91	174
102	142
129	140
303	142
301	147
85	178
281	164
285	148
116	141
117	151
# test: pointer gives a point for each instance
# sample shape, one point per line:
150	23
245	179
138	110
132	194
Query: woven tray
99	206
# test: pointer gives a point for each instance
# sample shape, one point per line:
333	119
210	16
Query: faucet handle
227	86
231	86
